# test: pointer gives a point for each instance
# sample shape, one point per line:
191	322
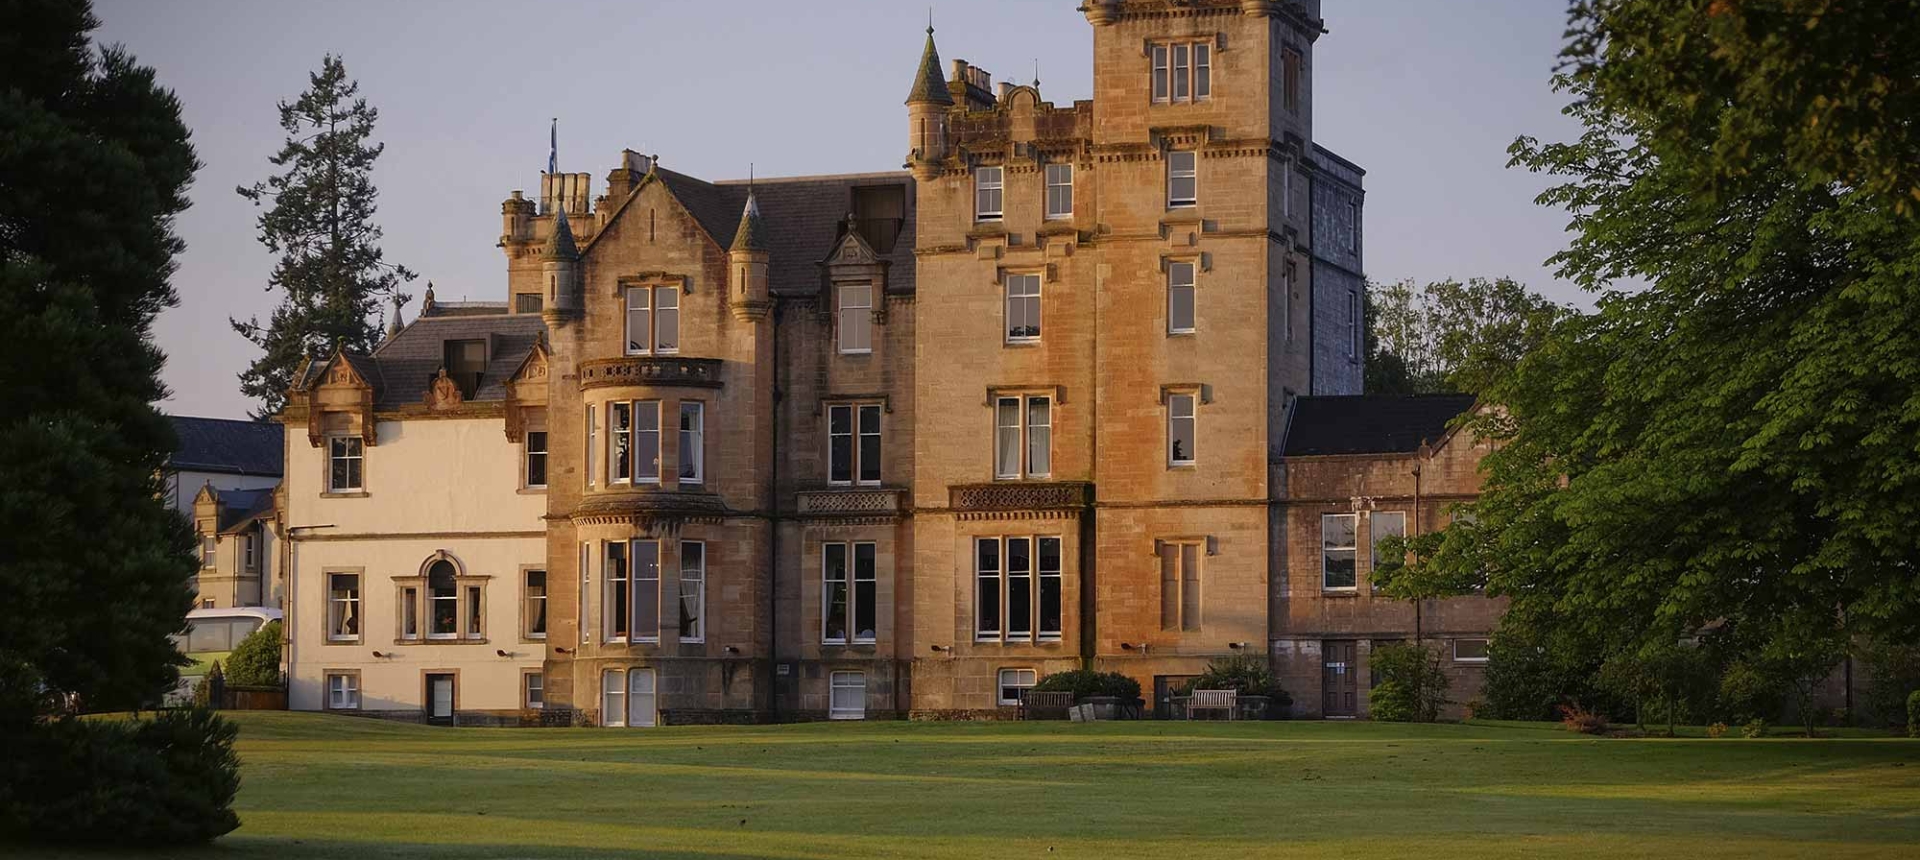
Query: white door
848	696
640	703
440	697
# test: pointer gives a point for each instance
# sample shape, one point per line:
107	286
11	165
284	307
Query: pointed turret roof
560	245
928	86
751	236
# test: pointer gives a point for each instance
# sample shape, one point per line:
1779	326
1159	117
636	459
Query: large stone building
865	445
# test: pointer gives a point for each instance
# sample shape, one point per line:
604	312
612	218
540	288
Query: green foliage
332	275
96	569
1913	714
255	662
1662	677
1755	728
1087	682
1892	672
1531	673
1746	694
166	781
1450	336
1251	675
1729	443
1411	687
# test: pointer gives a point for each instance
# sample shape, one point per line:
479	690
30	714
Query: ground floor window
848	699
535	687
1469	650
627	698
1017	589
1015	681
343	691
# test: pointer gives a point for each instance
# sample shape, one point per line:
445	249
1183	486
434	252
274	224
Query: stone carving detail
850	502
648	370
1021	496
445	393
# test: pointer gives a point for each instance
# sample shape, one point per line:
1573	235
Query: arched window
444	600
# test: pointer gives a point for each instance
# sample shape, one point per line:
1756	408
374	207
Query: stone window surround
326	689
1036	578
526	636
327	490
602	413
855	407
852	584
360	605
463	611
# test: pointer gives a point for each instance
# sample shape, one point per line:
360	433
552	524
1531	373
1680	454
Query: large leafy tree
94	164
1451	336
1735	448
332	277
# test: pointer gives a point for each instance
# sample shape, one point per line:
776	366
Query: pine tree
331	275
94	568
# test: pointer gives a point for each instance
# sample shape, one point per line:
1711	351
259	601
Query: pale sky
1425	95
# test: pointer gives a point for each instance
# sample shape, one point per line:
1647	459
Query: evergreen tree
95	568
332	277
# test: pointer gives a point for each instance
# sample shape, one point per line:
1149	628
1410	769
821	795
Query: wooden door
1339	687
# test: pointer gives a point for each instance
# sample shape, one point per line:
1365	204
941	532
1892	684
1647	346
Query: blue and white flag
553	147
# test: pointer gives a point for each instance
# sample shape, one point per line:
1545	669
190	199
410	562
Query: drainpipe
1417	467
287	617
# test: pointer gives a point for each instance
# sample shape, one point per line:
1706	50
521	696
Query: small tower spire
751	236
394	322
928	86
560	245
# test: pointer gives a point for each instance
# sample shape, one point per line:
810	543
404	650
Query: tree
1736	446
96	569
1451	336
332	276
255	662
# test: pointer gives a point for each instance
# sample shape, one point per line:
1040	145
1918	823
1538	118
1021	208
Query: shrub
1893	671
1250	675
255	662
1747	694
1087	682
203	688
1411	687
1913	714
165	781
1755	729
1717	730
1528	677
1579	719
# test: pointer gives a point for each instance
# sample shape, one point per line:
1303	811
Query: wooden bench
1038	705
1214	700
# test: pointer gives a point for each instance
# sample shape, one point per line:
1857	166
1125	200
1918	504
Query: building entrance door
440	699
1339	688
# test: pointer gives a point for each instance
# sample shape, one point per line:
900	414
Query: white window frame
838	681
352	451
426	592
532	683
250	548
693	584
530	452
1180	281
528	601
1190	172
1059	178
1162	89
651	467
1022	679
343	691
1454	647
989	180
854	434
856	318
1034	300
593	446
649	306
854	581
1037	577
693	442
344	611
613	687
1327	550
209	550
635	631
1177	402
1182	72
616	592
620	442
1023	437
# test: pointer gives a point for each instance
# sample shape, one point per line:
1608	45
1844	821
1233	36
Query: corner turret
560	269
748	297
927	106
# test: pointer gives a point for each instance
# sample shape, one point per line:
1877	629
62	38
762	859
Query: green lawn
321	786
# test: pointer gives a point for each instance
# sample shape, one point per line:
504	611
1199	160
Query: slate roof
1370	423
928	86
800	220
227	446
239	508
406	364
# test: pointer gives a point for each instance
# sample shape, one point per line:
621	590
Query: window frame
981	186
209	551
528	685
1036	578
348	683
528	453
691	443
1024	437
1182	596
1192	418
431	603
699	593
1374	535
1036	300
1453	649
1181	71
635	633
657	463
651	314
1192	292
1352	548
853	582
1000	677
834	685
854	436
854	317
528	609
345	611
593	446
1049	174
1190	173
355	459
